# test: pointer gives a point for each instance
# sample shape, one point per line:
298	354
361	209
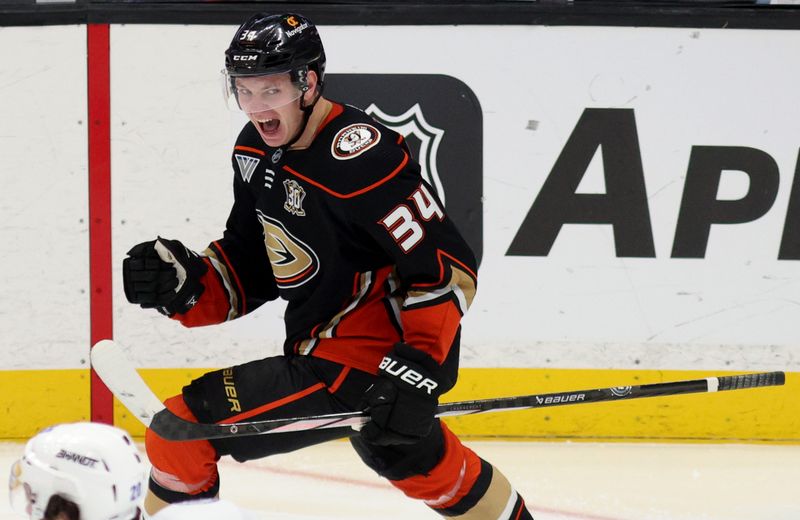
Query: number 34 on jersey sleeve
434	265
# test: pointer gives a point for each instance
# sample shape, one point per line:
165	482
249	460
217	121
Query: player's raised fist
163	274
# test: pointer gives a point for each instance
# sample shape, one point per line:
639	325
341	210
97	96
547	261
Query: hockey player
79	471
331	213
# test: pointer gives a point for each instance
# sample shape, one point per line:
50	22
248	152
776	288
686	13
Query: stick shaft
121	377
165	425
711	384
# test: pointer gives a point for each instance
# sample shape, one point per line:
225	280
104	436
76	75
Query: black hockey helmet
276	43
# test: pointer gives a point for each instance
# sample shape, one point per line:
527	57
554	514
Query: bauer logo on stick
556	399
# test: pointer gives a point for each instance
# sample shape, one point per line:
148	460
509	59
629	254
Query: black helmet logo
275	44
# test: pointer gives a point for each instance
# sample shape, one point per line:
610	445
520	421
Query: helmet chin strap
306	116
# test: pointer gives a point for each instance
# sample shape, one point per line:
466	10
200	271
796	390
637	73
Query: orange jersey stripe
357	192
296	277
274	404
339	380
521	508
336	110
249	149
361	354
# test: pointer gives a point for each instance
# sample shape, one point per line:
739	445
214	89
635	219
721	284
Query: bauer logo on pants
441	121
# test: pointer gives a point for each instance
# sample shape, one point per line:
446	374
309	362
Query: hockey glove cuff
402	402
163	274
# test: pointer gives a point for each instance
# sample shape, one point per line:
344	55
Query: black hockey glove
163	274
402	402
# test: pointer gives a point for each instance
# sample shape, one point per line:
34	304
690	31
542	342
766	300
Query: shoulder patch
353	140
247	165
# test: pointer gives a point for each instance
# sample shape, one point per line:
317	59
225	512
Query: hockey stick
122	379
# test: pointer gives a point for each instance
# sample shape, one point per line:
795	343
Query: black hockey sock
169	496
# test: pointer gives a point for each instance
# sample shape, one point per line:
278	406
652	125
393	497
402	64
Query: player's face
271	103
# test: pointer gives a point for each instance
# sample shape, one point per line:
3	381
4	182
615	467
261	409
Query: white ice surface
560	481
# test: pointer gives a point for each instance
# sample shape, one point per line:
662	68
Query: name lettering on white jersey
247	165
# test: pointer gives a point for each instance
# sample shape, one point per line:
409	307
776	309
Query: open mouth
268	126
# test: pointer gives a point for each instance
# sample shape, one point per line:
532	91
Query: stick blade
120	376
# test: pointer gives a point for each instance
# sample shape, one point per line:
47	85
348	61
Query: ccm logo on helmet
245	57
408	375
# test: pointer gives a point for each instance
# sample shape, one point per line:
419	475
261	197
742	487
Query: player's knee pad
451	476
181	468
398	462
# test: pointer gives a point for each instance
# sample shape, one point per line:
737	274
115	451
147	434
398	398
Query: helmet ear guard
300	78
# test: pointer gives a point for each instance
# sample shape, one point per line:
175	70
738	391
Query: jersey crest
353	140
293	261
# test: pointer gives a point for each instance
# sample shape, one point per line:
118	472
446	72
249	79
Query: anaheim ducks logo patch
353	140
293	261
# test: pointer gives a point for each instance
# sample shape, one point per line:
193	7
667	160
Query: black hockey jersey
349	233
